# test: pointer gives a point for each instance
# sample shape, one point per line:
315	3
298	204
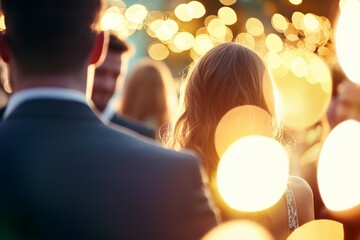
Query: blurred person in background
338	76
345	105
4	86
150	95
229	76
109	79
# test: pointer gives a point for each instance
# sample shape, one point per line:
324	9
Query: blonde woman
150	95
228	76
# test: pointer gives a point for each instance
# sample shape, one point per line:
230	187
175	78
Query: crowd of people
88	155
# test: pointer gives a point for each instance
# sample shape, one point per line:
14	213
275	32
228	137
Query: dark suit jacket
134	126
64	174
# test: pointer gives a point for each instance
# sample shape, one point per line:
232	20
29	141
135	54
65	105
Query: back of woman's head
149	93
227	76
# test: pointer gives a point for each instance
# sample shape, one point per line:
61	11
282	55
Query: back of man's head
50	36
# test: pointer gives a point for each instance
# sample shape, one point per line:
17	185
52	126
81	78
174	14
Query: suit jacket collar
54	109
42	93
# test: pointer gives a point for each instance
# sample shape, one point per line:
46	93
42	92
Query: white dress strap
291	209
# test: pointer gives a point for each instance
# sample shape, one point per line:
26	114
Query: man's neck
76	82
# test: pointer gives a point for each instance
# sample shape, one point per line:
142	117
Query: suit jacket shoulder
134	125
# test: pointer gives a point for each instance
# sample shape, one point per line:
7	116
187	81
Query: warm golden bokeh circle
240	122
304	84
252	173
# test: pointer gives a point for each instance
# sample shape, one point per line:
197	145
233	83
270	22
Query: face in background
105	79
348	102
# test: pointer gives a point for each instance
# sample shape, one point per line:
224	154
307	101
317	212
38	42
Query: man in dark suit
64	174
108	79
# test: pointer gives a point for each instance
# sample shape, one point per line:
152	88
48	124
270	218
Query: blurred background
178	32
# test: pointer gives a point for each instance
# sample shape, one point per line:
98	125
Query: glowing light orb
240	122
274	43
166	30
299	67
246	39
311	22
228	2
245	230
291	33
184	41
112	19
273	60
203	44
136	13
319	229
339	165
227	15
254	26
298	20
217	28
305	90
184	12
295	2
347	40
279	22
199	9
2	22
252	174
343	3
158	51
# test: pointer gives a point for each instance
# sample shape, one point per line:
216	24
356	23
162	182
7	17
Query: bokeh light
228	2
136	13
244	172
305	89
311	22
184	12
184	41
236	229
291	33
295	2
240	122
297	19
199	9
217	28
158	51
273	60
319	229
112	19
166	30
2	22
227	15
246	39
203	44
254	26
274	43
338	167
347	41
342	3
279	22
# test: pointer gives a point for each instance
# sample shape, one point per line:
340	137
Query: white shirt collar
108	112
42	92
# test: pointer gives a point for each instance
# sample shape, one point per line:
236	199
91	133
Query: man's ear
4	48
98	52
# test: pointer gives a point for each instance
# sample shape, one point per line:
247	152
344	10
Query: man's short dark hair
118	45
50	36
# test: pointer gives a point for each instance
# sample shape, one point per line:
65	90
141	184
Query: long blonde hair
227	76
150	93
